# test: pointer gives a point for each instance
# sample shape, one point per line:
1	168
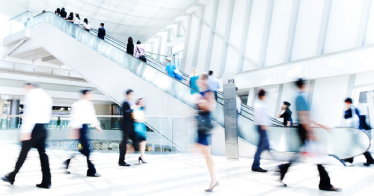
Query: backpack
178	74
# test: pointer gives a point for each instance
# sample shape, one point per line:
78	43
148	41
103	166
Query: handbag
141	57
204	124
178	74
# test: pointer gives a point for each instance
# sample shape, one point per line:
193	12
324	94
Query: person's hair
210	72
300	83
85	20
62	9
261	93
71	15
58	10
204	76
43	11
130	40
102	24
287	103
31	84
138	42
129	91
85	91
77	15
348	100
138	102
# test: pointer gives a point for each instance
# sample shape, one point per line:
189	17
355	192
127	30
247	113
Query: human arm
126	110
207	104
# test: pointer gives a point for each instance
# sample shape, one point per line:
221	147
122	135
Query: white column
226	37
265	38
211	35
324	27
292	30
185	40
198	37
363	23
243	43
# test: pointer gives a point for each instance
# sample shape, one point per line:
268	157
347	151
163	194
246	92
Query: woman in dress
192	81
140	128
205	103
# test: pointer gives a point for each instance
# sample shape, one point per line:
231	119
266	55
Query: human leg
122	148
44	162
262	145
205	150
85	150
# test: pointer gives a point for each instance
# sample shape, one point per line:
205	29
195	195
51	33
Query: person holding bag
140	128
139	52
205	104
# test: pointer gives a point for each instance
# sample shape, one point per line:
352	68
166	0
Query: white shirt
213	83
38	109
261	110
77	21
83	112
238	104
86	26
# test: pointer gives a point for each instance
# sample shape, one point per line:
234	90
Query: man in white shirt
82	115
213	84
37	113
261	121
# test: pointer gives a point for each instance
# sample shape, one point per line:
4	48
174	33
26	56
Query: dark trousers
83	140
324	181
263	144
122	147
215	95
38	137
367	154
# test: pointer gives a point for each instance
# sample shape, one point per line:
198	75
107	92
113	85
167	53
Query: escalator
105	64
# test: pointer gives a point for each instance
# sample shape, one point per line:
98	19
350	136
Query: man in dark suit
63	13
127	127
101	31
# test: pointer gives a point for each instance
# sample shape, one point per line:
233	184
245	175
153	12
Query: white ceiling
140	19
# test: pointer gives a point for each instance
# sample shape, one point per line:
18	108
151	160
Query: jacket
127	118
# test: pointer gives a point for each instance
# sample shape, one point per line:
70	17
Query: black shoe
332	188
212	188
93	175
368	163
124	164
259	170
44	186
140	159
7	179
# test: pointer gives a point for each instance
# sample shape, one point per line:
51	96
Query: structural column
14	110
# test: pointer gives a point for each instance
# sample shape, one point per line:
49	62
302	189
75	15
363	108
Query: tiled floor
175	174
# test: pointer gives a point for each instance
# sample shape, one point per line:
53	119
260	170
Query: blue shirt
170	69
213	84
301	103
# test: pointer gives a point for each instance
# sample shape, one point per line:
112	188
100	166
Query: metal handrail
28	11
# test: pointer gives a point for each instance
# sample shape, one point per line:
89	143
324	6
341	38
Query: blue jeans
263	144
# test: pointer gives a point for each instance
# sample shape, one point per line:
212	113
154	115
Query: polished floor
175	174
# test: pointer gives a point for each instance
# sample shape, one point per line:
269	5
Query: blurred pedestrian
70	18
127	127
130	46
86	26
58	11
356	121
37	113
286	114
192	81
262	122
140	128
77	20
139	51
82	116
172	70
205	104
101	31
306	134
214	84
63	13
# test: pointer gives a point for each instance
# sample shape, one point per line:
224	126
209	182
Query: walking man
306	133
127	127
82	115
261	120
37	113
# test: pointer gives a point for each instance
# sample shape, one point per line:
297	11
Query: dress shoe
7	179
93	175
212	188
44	186
368	163
140	159
332	188
124	164
259	170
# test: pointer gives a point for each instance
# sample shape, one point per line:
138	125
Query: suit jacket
101	33
127	120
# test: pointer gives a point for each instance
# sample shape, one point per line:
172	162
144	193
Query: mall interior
216	85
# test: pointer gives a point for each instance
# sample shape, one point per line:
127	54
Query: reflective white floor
175	174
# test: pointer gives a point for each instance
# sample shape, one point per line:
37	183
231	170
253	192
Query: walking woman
205	103
140	128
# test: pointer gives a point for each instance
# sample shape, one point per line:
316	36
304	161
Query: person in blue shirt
170	67
306	133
